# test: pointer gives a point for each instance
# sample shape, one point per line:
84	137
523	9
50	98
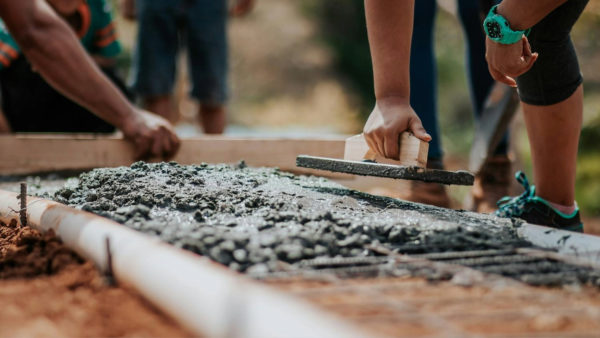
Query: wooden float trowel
359	159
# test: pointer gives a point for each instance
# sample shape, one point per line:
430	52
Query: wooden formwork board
31	153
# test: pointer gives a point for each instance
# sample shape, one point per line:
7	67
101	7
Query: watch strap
506	35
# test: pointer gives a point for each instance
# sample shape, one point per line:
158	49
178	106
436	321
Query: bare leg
554	136
213	118
161	105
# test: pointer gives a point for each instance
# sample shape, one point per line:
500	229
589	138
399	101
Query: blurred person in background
32	105
165	27
53	50
493	181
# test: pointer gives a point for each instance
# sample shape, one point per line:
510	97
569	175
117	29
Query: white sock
565	209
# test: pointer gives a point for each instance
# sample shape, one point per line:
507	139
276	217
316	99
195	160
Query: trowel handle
413	151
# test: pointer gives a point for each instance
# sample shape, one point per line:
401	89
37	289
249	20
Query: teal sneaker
536	210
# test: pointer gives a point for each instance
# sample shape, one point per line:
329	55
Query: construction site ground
47	290
401	301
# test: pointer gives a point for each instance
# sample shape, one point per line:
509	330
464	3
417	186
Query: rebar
23	204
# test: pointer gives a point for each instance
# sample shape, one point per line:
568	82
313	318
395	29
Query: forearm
389	26
54	51
525	14
104	62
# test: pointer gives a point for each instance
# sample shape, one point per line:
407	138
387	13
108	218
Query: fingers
164	144
526	47
526	61
142	148
370	142
374	142
390	145
496	75
175	144
508	77
158	145
379	144
171	144
507	62
416	127
530	63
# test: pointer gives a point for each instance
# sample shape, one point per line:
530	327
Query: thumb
416	127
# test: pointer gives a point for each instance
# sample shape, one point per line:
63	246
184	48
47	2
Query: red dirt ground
48	290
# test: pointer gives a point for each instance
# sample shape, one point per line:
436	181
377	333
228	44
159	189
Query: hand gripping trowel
359	159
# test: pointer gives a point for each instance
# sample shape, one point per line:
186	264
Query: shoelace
513	206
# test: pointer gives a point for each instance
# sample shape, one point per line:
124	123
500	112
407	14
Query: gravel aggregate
261	219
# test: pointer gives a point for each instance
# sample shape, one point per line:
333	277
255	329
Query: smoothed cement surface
260	219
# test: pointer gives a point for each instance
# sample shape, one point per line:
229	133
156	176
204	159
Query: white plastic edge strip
203	296
582	246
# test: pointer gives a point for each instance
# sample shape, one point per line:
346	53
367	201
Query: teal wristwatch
498	29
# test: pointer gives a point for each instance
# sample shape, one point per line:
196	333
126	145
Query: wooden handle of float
413	151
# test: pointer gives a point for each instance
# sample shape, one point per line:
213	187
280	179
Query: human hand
506	62
390	117
241	7
128	9
152	135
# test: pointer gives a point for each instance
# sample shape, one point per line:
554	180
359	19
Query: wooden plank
412	151
23	154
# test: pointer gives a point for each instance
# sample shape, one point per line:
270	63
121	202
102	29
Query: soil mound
26	253
48	290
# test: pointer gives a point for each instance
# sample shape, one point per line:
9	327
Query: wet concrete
259	219
460	177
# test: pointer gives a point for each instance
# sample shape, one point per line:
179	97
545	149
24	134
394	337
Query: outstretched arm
389	25
54	51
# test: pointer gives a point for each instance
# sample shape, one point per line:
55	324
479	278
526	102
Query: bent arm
389	26
54	51
525	14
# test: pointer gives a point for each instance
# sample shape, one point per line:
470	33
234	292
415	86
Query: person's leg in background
493	182
423	99
154	62
423	74
206	35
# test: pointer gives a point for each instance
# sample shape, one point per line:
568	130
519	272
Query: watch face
493	28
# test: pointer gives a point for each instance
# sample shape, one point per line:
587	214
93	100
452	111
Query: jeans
423	73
